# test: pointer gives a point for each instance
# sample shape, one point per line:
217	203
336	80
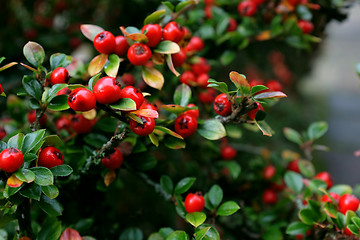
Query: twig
39	114
182	11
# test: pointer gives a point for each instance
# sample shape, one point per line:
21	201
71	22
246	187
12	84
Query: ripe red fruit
348	202
147	105
209	2
153	33
81	99
269	197
325	176
269	172
258	2
201	66
255	82
207	96
139	54
50	157
143	129
194	202
59	75
105	42
195	44
188	78
202	80
232	25
11	159
274	85
208	12
128	79
335	196
63	122
252	113
193	112
80	124
121	46
178	58
1	89
222	105
32	117
2	133
134	94
228	152
294	166
173	32
247	8
107	90
306	26
185	125
113	160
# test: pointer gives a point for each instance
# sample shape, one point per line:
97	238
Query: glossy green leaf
90	31
50	230
177	109
215	195
59	103
212	234
32	191
228	208
131	234
112	66
25	175
167	47
196	218
9	191
51	93
52	140
50	206
32	87
168	131
341	189
180	208
93	80
292	135
354	229
201	234
257	88
308	216
16	141
307	168
31	140
348	217
317	129
330	210
34	53
184	4
175	143
182	95
155	17
220	86
154	140
61	170
43	176
294	181
184	184
340	220
240	82
297	228
167	184
124	104
165	232
153	77
59	60
356	221
212	129
169	5
178	235
264	128
50	191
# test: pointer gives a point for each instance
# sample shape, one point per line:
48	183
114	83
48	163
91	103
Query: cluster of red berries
186	123
75	123
280	68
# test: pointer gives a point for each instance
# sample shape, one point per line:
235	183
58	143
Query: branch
237	111
39	114
174	16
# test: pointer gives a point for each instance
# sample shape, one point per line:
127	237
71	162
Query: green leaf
61	170
297	228
165	232
182	95
53	91
304	12
292	135
228	208
59	60
43	176
145	162
212	129
175	143
233	131
124	104
272	233
50	206
356	221
59	103
154	140
168	131
179	207
212	234
308	216
155	17
177	109
200	234
317	129
155	236
167	47
307	168
50	191
25	175
131	234
196	218
340	220
184	184
330	210
227	57
16	141
93	80
32	87
354	229
52	140
167	184
294	181
341	189
257	88
34	53
220	86
96	140
215	195
90	31
183	4
31	140
264	127
9	191
32	191
51	229
348	216
169	5
9	65
178	235
233	167
153	77
112	66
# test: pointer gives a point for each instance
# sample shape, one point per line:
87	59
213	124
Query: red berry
274	85
269	172
247	8
347	232
325	176
194	112
207	96
326	198
59	75
153	33
195	44
232	25
139	54
208	12
222	105
269	197
185	125
80	124
11	159
194	202
294	166
209	2
32	117
134	94
178	58
252	113
105	42
255	82
50	157
188	78
121	46
228	152
113	160
1	89
143	129
81	99
63	122
107	90
294	2
146	105
348	202
2	133
201	66
306	26
258	2
173	32
202	80
128	79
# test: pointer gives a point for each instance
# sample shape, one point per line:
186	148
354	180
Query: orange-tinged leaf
158	58
177	109
146	113
109	177
90	31
8	66
284	7
70	234
139	37
265	35
90	115
24	238
171	65
238	79
275	94
13	181
97	64
153	77
28	67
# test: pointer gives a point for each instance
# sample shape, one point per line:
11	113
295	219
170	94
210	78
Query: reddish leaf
270	95
90	31
146	113
13	181
153	77
238	79
139	37
8	66
70	234
97	64
109	177
263	36
171	65
28	67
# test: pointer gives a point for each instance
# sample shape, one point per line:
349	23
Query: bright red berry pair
50	157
